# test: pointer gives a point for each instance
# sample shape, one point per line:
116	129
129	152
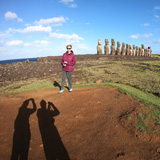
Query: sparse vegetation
139	78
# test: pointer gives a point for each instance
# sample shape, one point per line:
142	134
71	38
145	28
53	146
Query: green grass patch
150	114
29	85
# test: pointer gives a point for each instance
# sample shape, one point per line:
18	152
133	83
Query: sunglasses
68	48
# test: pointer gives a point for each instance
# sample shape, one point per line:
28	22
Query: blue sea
18	60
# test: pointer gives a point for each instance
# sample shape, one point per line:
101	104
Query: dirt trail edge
82	125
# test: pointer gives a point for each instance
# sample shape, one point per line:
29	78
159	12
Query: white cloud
56	21
10	30
72	5
37	43
29	29
157	16
3	34
14	43
27	44
33	29
69	3
41	43
146	24
137	36
147	35
10	16
7	33
157	7
74	37
20	20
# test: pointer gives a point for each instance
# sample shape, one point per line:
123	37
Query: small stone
98	81
158	149
41	145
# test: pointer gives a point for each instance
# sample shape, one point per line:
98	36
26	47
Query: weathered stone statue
142	52
149	51
127	49
118	48
112	47
99	48
145	52
106	47
134	50
123	49
130	50
137	51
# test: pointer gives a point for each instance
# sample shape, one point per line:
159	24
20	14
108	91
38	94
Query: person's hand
64	63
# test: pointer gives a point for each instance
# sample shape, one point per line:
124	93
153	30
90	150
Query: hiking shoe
70	90
61	91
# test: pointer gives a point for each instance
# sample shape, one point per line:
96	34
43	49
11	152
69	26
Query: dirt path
88	126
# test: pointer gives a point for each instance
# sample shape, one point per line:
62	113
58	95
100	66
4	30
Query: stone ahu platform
47	66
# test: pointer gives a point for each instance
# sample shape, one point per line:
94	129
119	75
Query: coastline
9	61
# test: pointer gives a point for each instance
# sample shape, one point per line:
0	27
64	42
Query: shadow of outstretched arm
53	110
34	106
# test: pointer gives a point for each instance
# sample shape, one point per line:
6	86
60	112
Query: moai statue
134	50
112	47
127	49
145	52
106	47
99	48
123	49
137	51
142	52
150	51
130	50
118	48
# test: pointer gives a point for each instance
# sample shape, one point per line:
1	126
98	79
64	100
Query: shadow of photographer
53	146
22	134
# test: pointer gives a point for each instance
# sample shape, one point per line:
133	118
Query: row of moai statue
129	50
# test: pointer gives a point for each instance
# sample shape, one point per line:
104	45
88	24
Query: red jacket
70	59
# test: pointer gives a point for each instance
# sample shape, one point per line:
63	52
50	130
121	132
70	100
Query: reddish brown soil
87	128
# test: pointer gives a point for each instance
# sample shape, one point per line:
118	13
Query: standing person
68	61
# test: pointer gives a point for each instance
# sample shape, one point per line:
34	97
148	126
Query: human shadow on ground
22	134
56	84
53	146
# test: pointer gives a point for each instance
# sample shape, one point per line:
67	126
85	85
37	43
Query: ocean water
18	60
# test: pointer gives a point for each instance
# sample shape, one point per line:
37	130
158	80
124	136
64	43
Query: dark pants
69	76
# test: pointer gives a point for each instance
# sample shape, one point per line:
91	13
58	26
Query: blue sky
39	28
